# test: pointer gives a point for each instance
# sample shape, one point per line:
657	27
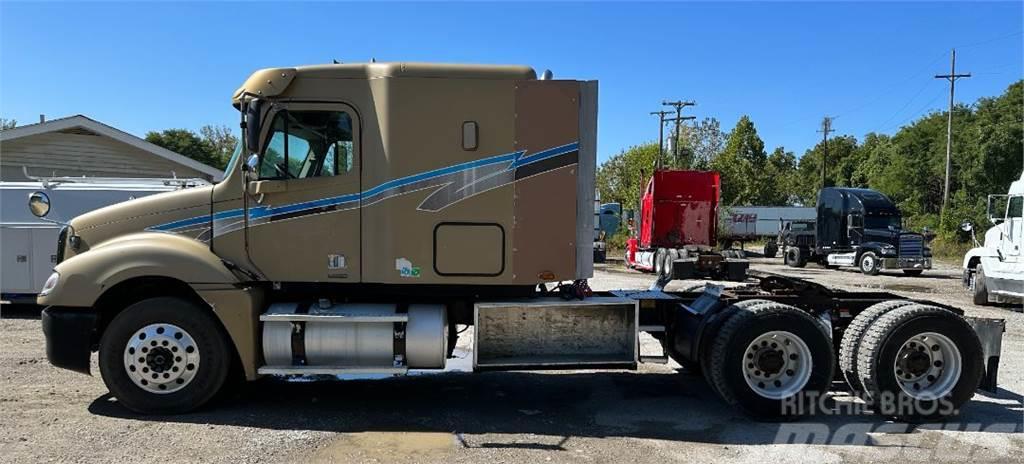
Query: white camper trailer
28	245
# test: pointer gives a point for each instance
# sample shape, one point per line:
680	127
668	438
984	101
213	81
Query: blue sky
145	66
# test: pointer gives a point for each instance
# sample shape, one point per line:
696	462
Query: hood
885	235
141	214
881	235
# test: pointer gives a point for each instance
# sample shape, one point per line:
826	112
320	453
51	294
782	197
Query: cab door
304	225
1013	239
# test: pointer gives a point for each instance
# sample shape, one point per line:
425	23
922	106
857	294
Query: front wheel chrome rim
928	366
777	364
161	358
867	263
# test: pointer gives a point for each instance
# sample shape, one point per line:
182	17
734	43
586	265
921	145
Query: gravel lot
653	415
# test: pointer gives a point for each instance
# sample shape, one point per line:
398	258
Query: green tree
699	144
621	177
221	140
187	143
780	173
7	123
843	160
741	165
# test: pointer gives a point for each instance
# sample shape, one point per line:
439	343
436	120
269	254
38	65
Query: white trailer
994	271
28	245
743	223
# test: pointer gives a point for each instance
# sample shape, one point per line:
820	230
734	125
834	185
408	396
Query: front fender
874	247
84	277
974	255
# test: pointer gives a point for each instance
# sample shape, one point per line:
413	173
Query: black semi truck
862	228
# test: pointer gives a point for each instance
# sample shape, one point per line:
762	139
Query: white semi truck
994	271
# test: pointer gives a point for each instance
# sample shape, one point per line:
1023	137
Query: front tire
869	263
164	356
980	296
919	363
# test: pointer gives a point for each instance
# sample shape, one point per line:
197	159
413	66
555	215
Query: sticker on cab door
406	269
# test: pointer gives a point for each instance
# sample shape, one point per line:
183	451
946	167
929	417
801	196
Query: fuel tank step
290	312
329	370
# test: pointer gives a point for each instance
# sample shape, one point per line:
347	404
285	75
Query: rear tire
796	257
790	345
670	257
659	261
189	362
980	296
852	336
714	326
770	250
919	363
869	263
913	272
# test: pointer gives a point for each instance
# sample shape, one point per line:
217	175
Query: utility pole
661	136
951	77
678	104
826	127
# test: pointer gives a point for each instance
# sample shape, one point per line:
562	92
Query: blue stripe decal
514	160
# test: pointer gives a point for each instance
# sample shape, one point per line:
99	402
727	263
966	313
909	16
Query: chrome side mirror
966	226
39	204
251	163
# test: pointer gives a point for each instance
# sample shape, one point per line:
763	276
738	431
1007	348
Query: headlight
50	284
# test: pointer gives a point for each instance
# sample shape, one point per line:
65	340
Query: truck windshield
882	222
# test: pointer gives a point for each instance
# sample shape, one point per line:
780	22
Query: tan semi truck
372	208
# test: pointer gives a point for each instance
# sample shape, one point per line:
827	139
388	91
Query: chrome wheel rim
161	358
928	366
867	263
777	364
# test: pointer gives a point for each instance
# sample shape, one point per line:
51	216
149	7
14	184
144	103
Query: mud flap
684	268
990	332
735	269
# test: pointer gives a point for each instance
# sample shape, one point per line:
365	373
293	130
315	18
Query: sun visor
265	83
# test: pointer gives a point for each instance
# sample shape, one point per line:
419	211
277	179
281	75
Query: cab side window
307	144
1016	207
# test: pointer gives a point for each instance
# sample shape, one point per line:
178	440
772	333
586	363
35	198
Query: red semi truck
678	228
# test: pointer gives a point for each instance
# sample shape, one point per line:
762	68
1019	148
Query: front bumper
907	263
70	335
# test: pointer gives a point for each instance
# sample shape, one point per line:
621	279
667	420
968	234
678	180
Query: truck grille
911	245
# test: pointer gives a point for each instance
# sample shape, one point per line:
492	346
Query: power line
994	39
661	136
905	105
952	78
678	104
915	113
826	127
